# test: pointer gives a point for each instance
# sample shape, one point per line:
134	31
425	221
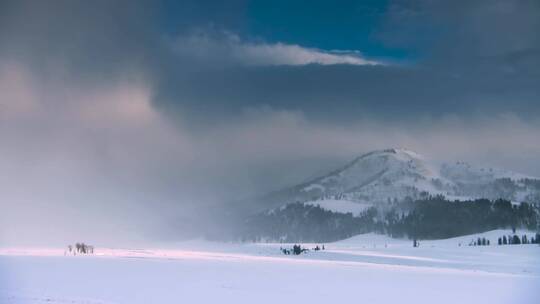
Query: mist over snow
122	124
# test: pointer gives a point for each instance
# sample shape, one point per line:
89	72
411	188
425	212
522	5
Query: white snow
383	175
367	268
340	206
313	187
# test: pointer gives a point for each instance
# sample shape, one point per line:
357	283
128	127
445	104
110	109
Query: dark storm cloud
350	93
478	56
85	39
102	40
474	58
462	29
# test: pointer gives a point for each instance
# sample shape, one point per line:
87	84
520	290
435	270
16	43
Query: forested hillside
431	218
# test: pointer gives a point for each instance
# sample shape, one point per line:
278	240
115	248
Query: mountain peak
406	153
397	173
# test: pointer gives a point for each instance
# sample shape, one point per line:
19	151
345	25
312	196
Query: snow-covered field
367	268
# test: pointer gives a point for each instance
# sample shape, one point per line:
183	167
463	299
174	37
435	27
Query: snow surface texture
394	174
367	268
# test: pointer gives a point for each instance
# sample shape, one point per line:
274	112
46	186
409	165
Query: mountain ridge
395	174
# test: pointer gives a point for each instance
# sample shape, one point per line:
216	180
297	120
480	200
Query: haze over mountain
133	120
392	191
396	174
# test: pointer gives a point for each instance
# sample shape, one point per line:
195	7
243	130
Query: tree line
516	240
298	222
433	217
437	218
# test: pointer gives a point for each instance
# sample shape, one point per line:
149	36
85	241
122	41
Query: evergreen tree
428	218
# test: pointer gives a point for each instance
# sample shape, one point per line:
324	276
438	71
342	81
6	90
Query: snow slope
394	174
340	205
369	268
379	175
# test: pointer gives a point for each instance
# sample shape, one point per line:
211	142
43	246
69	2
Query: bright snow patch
340	206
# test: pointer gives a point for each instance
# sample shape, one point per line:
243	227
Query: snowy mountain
395	174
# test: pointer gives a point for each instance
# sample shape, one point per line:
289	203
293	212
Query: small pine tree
499	241
297	249
505	241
